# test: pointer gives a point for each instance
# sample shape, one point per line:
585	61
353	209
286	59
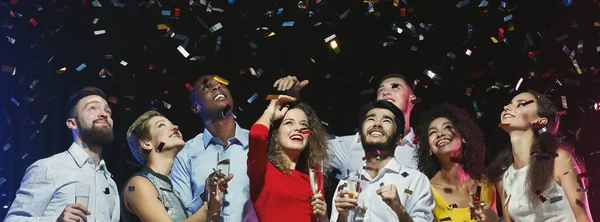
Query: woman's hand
485	214
319	207
277	109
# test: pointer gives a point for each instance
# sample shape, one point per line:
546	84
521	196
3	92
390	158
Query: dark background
61	34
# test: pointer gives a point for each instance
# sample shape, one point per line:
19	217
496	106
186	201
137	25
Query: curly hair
473	150
315	152
540	170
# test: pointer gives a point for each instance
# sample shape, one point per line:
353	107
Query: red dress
276	196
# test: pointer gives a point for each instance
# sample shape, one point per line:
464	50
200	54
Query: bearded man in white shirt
75	184
390	191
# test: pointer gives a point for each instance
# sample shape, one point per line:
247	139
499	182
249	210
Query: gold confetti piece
396	3
408	191
511	27
272	97
468	91
415	101
61	70
221	80
333	44
494	39
446	219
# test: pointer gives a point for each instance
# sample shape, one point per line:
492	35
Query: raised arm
257	153
566	170
37	188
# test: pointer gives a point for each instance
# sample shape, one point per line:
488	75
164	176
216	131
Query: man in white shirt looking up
389	191
75	184
346	151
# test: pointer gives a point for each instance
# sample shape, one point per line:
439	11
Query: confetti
162	27
543	154
404	174
6	146
288	24
131	188
251	99
113	100
160	147
44	118
215	28
15	101
272	97
99	32
451	55
346	13
183	51
446	219
81	67
2	180
24	156
407	191
123	63
555	199
564	101
306	130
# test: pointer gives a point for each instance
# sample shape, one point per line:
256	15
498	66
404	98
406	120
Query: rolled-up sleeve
420	204
182	182
33	196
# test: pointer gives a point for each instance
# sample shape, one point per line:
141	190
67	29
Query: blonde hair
138	131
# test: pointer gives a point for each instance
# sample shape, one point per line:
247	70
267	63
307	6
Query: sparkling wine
316	180
223	165
83	200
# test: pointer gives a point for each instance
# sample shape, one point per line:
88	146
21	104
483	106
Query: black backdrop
40	38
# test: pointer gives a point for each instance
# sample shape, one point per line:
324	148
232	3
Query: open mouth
297	137
443	142
376	133
219	97
507	115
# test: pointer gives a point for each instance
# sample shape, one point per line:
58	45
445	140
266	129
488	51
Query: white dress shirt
413	188
347	152
195	163
49	185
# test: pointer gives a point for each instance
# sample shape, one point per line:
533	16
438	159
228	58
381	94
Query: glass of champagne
82	194
476	199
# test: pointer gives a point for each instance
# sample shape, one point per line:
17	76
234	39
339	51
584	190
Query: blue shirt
195	163
50	184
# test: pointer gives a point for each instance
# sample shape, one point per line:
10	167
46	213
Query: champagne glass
476	198
82	194
223	165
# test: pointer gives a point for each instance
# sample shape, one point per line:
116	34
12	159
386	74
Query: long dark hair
541	169
473	150
315	152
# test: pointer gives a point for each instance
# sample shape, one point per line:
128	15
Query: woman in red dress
286	143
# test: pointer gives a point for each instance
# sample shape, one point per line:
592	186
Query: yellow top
443	211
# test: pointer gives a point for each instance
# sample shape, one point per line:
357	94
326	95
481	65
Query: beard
100	136
388	145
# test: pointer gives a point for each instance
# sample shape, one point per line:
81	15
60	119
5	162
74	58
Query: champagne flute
353	185
476	199
82	194
223	165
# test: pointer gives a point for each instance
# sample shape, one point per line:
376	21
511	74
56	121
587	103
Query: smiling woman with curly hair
451	153
285	143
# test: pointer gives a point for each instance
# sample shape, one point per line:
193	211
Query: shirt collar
409	138
81	157
393	166
239	138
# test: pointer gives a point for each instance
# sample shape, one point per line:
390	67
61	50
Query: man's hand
389	195
345	201
290	85
73	213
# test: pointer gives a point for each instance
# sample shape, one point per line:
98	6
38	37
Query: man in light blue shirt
222	139
73	185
